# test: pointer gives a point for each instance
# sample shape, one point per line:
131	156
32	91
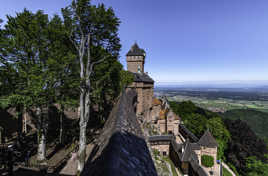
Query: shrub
207	161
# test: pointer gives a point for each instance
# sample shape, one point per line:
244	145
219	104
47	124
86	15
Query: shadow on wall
125	154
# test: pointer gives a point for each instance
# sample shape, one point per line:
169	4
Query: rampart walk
121	148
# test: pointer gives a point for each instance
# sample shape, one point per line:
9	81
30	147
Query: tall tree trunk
85	112
42	146
41	153
82	138
82	148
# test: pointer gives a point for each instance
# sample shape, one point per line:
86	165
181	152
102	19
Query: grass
226	172
167	159
163	165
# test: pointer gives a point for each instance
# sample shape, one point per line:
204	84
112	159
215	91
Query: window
164	153
139	69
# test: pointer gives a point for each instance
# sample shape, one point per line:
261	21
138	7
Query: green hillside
257	120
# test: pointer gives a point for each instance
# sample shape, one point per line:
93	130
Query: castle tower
142	83
135	59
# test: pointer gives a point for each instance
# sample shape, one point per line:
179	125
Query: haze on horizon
186	40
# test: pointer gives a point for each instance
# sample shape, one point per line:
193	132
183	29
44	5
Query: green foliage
225	172
221	134
126	78
82	19
168	160
231	166
197	120
256	167
257	120
196	123
244	143
35	55
207	161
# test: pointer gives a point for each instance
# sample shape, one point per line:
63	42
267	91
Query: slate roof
161	138
187	152
195	146
142	77
189	134
208	140
198	169
136	51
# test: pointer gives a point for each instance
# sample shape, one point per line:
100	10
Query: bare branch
88	54
81	56
94	63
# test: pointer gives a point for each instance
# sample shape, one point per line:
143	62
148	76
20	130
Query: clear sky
186	40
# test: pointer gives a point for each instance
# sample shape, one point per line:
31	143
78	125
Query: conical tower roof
136	51
208	140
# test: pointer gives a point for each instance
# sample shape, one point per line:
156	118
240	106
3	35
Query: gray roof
189	134
195	146
197	168
188	153
208	140
142	77
136	51
161	138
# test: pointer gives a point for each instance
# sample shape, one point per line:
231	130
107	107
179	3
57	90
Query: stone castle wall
121	148
144	97
135	62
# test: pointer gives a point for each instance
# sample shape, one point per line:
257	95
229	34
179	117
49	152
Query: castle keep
143	84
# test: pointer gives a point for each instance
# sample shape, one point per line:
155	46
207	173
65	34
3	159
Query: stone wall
162	148
144	97
121	148
135	62
211	152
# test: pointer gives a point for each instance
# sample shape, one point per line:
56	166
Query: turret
136	59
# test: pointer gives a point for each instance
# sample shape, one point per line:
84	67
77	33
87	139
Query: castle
183	147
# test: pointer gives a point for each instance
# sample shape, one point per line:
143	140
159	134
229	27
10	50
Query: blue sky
186	40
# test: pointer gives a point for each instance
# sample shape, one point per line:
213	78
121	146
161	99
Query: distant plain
247	104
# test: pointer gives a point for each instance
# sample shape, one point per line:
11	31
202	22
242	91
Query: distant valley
248	104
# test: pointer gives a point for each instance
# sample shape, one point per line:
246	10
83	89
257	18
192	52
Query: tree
34	54
196	123
221	134
93	32
256	167
207	161
64	68
243	144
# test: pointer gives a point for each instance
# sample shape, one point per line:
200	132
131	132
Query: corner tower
135	59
